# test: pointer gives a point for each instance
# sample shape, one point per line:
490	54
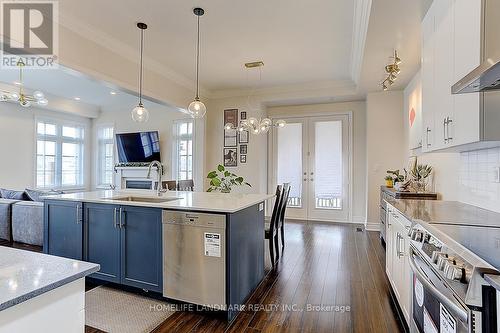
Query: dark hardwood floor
331	278
21	246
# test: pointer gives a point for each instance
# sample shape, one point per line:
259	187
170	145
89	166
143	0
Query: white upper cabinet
451	48
413	106
467	56
443	71
428	81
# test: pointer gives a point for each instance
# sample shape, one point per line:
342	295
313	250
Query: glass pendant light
140	114
197	109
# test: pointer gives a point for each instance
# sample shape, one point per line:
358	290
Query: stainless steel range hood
486	76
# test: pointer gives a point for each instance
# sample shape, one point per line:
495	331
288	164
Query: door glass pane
290	161
328	165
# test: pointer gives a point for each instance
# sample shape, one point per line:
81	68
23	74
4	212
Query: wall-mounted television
138	147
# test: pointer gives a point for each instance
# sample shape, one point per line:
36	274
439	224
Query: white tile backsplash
477	178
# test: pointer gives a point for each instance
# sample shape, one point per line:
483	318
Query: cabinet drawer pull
114	217
397	244
448	122
121	218
445	138
78	208
427	137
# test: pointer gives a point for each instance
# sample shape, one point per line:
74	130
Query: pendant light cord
198	60
21	79
20	64
141	69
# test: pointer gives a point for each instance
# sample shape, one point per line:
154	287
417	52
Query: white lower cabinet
397	251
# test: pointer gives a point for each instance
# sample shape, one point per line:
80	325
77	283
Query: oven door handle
447	302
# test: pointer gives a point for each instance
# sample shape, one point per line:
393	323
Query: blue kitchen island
201	248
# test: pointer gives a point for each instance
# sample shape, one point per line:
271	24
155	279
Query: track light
392	71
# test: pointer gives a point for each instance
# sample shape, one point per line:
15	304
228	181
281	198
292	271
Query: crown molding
362	9
106	41
341	87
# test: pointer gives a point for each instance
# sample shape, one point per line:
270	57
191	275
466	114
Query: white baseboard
373	226
359	219
325	221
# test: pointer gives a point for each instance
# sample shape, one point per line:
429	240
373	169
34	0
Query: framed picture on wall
231	135
230	157
230	138
231	117
243	149
243	158
244	137
243	115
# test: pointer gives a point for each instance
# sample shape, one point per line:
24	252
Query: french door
312	154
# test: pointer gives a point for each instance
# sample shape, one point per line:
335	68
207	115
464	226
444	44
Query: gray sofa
27	222
21	216
6	218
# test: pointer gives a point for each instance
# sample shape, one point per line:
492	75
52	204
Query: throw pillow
12	194
36	195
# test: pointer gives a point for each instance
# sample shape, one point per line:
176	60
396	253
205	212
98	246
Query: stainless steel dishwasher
194	258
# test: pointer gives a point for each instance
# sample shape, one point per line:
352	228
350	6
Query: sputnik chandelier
20	96
252	124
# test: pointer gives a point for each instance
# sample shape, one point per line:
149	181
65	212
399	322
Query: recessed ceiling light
112	92
77	98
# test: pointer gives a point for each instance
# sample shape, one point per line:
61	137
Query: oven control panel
450	265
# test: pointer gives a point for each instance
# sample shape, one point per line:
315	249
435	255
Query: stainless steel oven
449	292
435	306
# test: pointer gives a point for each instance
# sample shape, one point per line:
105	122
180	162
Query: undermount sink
143	199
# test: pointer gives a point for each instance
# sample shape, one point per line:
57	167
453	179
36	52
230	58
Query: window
105	156
183	150
59	155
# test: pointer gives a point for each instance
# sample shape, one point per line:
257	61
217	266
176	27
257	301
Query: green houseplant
420	176
222	180
388	181
396	177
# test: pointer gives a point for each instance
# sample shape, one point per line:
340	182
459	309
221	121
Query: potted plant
396	177
222	180
420	177
389	181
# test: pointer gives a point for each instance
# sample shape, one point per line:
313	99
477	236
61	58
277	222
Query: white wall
161	119
255	170
385	145
17	144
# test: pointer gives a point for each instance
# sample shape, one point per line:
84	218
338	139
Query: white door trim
271	170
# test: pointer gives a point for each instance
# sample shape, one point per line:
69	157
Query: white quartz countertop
179	200
25	274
